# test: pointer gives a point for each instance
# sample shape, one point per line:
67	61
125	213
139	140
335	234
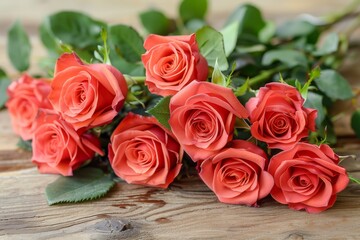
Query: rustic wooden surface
187	210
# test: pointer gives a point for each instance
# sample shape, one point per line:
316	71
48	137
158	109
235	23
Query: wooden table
187	210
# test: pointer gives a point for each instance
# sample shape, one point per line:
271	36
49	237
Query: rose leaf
73	28
329	45
288	57
249	18
86	184
161	111
355	122
211	44
230	33
25	145
314	101
295	28
127	42
4	83
334	85
19	47
190	9
155	22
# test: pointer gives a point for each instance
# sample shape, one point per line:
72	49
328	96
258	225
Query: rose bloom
307	177
26	96
237	173
58	148
278	116
172	62
86	95
142	152
202	117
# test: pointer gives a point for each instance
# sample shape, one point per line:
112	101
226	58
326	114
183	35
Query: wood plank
187	210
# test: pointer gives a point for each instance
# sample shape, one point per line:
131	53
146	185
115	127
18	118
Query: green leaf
290	58
230	34
267	32
86	184
76	29
125	67
161	111
211	45
218	77
194	24
314	101
355	122
19	47
127	42
50	41
330	45
155	22
249	18
295	28
314	73
243	89
192	9
25	145
334	85
4	84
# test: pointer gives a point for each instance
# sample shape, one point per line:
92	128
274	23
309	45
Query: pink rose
202	117
307	177
237	174
86	95
58	148
172	62
278	116
26	96
141	151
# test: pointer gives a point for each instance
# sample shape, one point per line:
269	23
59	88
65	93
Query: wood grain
187	210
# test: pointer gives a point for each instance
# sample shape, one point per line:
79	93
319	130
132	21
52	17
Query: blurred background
31	13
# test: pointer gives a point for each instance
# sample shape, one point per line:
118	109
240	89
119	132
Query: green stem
132	80
265	75
355	180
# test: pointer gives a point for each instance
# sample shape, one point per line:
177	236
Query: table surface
188	209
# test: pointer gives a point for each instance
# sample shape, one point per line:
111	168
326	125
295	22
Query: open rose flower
143	152
58	148
26	96
278	116
86	95
237	174
307	177
202	117
172	62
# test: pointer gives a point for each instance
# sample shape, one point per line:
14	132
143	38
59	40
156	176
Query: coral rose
278	116
141	151
237	174
307	177
86	95
172	62
58	148
26	96
202	117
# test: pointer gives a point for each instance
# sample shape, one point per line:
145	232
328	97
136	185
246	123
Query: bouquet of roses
147	111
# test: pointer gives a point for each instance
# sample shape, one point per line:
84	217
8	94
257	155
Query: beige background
31	13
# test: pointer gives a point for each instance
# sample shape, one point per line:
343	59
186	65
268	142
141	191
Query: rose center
139	158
